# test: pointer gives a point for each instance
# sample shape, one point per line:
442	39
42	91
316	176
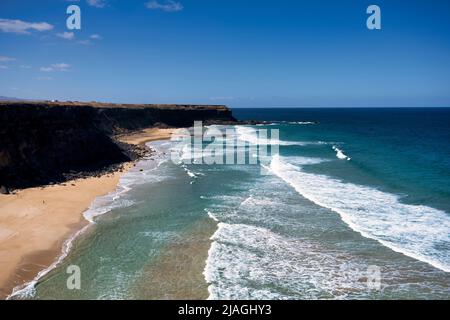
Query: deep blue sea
356	205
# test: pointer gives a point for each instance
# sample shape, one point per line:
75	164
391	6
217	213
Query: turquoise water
351	191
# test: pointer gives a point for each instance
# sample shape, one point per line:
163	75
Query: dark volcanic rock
44	142
3	190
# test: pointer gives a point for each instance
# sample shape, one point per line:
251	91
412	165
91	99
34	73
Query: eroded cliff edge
49	142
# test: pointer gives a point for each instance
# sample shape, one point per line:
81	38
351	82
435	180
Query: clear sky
243	53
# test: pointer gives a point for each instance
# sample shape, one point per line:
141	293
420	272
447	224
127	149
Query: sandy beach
34	223
147	135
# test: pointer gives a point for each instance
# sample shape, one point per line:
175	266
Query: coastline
187	282
36	223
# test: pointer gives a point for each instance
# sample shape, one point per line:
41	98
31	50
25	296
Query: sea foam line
243	258
249	134
27	289
412	230
340	154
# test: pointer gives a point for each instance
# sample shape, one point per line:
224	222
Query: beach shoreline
36	223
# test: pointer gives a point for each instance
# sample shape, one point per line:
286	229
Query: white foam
144	172
293	122
414	230
100	206
250	135
107	203
212	216
244	261
304	161
303	122
340	154
191	173
27	290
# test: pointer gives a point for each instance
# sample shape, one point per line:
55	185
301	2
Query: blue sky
243	53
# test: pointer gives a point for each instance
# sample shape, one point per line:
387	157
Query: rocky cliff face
45	142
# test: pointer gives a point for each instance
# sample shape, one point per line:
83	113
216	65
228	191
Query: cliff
49	142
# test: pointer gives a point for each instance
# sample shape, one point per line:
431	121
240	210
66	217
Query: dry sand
34	223
147	135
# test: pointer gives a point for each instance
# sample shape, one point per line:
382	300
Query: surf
416	231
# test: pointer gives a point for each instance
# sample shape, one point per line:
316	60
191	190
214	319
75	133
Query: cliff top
95	104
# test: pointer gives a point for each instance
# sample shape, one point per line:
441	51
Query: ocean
354	205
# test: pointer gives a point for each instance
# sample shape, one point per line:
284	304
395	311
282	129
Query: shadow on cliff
43	143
